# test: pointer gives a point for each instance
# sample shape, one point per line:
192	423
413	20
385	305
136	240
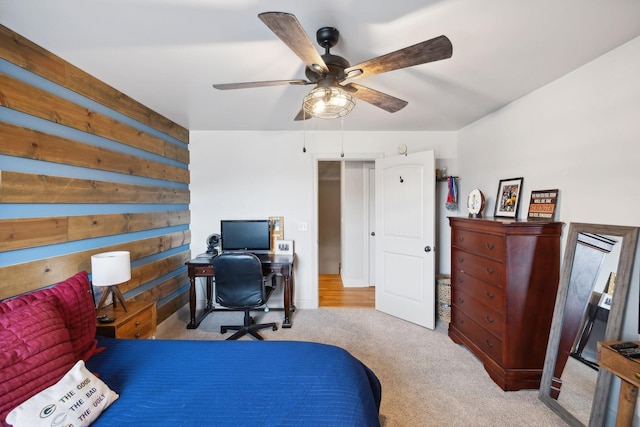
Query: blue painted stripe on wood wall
38	210
19	164
140	289
173	295
36	123
20	256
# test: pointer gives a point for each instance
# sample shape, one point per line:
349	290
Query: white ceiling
167	53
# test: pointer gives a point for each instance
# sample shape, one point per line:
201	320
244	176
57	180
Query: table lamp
108	269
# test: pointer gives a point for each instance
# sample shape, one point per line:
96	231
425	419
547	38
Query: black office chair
240	284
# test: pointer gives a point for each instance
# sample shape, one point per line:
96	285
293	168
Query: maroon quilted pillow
36	352
76	307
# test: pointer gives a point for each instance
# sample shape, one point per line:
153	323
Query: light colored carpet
427	380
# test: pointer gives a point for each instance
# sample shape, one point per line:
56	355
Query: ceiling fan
332	98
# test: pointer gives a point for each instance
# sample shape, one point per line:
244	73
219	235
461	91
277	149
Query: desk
628	370
281	265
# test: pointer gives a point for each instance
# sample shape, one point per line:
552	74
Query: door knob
427	248
373	233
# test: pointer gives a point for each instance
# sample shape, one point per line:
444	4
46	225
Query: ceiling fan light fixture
328	103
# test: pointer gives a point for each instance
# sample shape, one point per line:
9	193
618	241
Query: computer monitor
246	235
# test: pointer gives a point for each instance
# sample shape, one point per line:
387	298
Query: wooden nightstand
628	370
138	322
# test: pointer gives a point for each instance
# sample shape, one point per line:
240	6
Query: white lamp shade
110	268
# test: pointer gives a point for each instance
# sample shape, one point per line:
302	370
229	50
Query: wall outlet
302	226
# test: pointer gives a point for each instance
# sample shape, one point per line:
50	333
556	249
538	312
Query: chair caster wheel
223	331
275	328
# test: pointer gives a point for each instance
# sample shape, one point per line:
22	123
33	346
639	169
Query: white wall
580	134
355	209
262	174
329	254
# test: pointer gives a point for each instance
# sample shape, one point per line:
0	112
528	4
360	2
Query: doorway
345	239
331	293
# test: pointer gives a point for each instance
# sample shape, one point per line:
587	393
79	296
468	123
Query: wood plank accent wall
86	169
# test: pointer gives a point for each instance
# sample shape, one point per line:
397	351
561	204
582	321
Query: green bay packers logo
48	410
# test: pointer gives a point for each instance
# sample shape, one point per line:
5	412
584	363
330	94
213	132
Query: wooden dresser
504	278
138	322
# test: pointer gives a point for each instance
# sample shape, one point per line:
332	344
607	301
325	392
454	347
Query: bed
50	349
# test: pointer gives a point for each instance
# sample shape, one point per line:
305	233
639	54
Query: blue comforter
235	383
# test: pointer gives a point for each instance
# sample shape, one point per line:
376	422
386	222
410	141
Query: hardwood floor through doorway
333	294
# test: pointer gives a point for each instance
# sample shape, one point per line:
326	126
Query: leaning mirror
590	303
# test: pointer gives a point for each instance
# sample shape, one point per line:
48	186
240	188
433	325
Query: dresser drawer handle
489	295
489	246
460	259
489	270
461	300
637	374
137	323
490	345
459	279
460	239
488	319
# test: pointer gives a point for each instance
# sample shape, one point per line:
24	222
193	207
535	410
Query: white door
405	237
371	232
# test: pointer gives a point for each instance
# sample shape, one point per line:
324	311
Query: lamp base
114	291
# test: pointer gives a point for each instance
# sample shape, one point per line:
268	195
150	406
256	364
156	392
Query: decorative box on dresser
139	321
504	278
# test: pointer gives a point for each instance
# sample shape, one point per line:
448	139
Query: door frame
316	157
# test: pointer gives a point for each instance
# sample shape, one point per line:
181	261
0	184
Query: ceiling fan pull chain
342	136
304	131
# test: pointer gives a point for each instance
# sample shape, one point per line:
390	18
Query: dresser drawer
482	292
482	268
489	319
484	340
488	245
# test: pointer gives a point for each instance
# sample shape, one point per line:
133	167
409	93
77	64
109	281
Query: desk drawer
203	271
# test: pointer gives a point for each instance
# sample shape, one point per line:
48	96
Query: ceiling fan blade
246	85
287	27
302	116
373	97
428	51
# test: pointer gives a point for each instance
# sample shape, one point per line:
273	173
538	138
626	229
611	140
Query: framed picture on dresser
508	198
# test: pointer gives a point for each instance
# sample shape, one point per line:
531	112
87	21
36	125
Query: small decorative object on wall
543	204
284	247
508	198
277	229
452	195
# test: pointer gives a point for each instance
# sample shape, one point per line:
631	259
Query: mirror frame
629	237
